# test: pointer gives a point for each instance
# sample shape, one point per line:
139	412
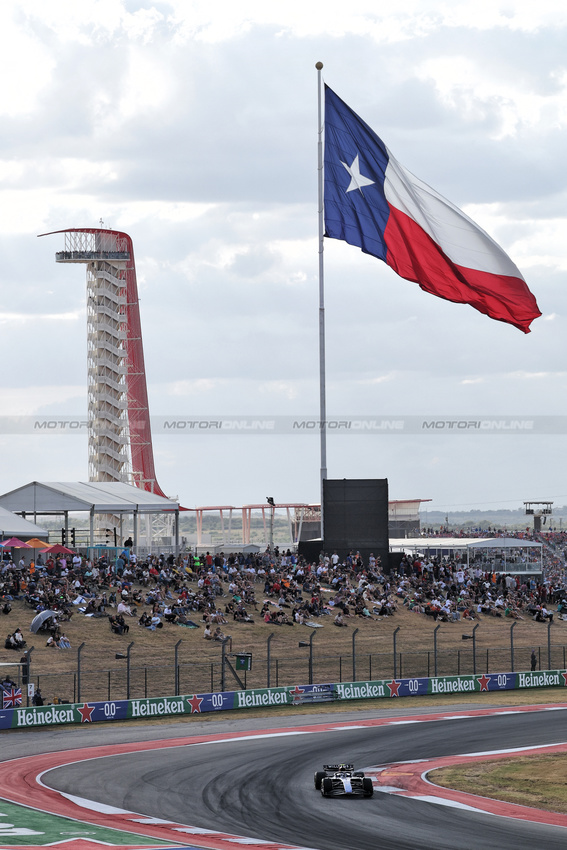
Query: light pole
79	672
130	645
395	652
313	633
435	630
474	647
176	663
309	643
272	504
354	634
512	627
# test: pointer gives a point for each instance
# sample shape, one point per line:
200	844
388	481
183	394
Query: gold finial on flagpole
319	66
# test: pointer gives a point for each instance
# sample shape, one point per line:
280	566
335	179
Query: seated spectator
169	615
207	633
543	615
10	643
123	608
64	642
117	624
280	618
241	615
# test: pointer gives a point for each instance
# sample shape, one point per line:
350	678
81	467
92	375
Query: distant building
403	517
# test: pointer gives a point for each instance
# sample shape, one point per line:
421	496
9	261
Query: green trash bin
244	661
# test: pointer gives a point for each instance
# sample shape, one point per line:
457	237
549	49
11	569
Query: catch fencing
127	675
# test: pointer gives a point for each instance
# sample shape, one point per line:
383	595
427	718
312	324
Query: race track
262	787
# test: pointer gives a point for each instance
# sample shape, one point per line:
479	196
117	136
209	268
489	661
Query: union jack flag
11	697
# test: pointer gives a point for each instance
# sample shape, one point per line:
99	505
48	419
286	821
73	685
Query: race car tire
326	786
318	778
367	786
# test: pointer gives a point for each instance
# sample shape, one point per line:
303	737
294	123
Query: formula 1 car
339	780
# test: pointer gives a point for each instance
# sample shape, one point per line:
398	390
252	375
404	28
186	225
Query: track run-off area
249	782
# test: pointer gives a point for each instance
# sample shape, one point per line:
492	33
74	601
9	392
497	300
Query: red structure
120	439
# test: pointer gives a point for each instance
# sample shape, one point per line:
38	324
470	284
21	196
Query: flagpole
322	391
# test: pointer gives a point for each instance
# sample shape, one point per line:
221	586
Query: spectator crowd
277	588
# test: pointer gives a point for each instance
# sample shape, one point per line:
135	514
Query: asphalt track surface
263	787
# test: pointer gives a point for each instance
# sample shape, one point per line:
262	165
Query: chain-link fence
125	677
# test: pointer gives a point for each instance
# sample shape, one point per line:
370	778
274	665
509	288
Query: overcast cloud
193	127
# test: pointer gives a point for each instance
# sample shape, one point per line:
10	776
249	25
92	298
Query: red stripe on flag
414	255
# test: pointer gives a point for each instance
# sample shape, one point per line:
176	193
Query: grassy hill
152	654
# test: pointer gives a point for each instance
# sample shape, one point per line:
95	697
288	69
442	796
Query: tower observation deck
119	434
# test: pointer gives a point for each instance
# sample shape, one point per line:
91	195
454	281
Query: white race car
340	780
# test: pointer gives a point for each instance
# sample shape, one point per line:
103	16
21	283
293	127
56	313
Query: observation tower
119	434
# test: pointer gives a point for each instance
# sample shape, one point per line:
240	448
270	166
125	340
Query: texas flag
373	202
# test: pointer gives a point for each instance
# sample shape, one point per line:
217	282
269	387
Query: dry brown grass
538	781
152	653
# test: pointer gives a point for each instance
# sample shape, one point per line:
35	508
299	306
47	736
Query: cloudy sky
192	126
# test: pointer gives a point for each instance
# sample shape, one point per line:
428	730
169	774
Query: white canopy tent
94	497
12	525
510	554
507	552
430	544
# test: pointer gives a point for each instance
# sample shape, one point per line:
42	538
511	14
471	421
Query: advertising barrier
95	712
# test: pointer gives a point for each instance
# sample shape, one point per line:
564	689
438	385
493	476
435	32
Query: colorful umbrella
35	543
58	549
15	543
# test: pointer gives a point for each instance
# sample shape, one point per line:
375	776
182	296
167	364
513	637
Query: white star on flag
357	181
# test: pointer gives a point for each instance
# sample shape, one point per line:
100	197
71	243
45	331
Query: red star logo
86	712
394	688
483	682
565	678
296	693
195	703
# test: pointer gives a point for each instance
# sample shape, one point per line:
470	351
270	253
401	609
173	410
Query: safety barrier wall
93	712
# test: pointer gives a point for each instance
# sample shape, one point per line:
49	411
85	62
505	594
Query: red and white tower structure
120	440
